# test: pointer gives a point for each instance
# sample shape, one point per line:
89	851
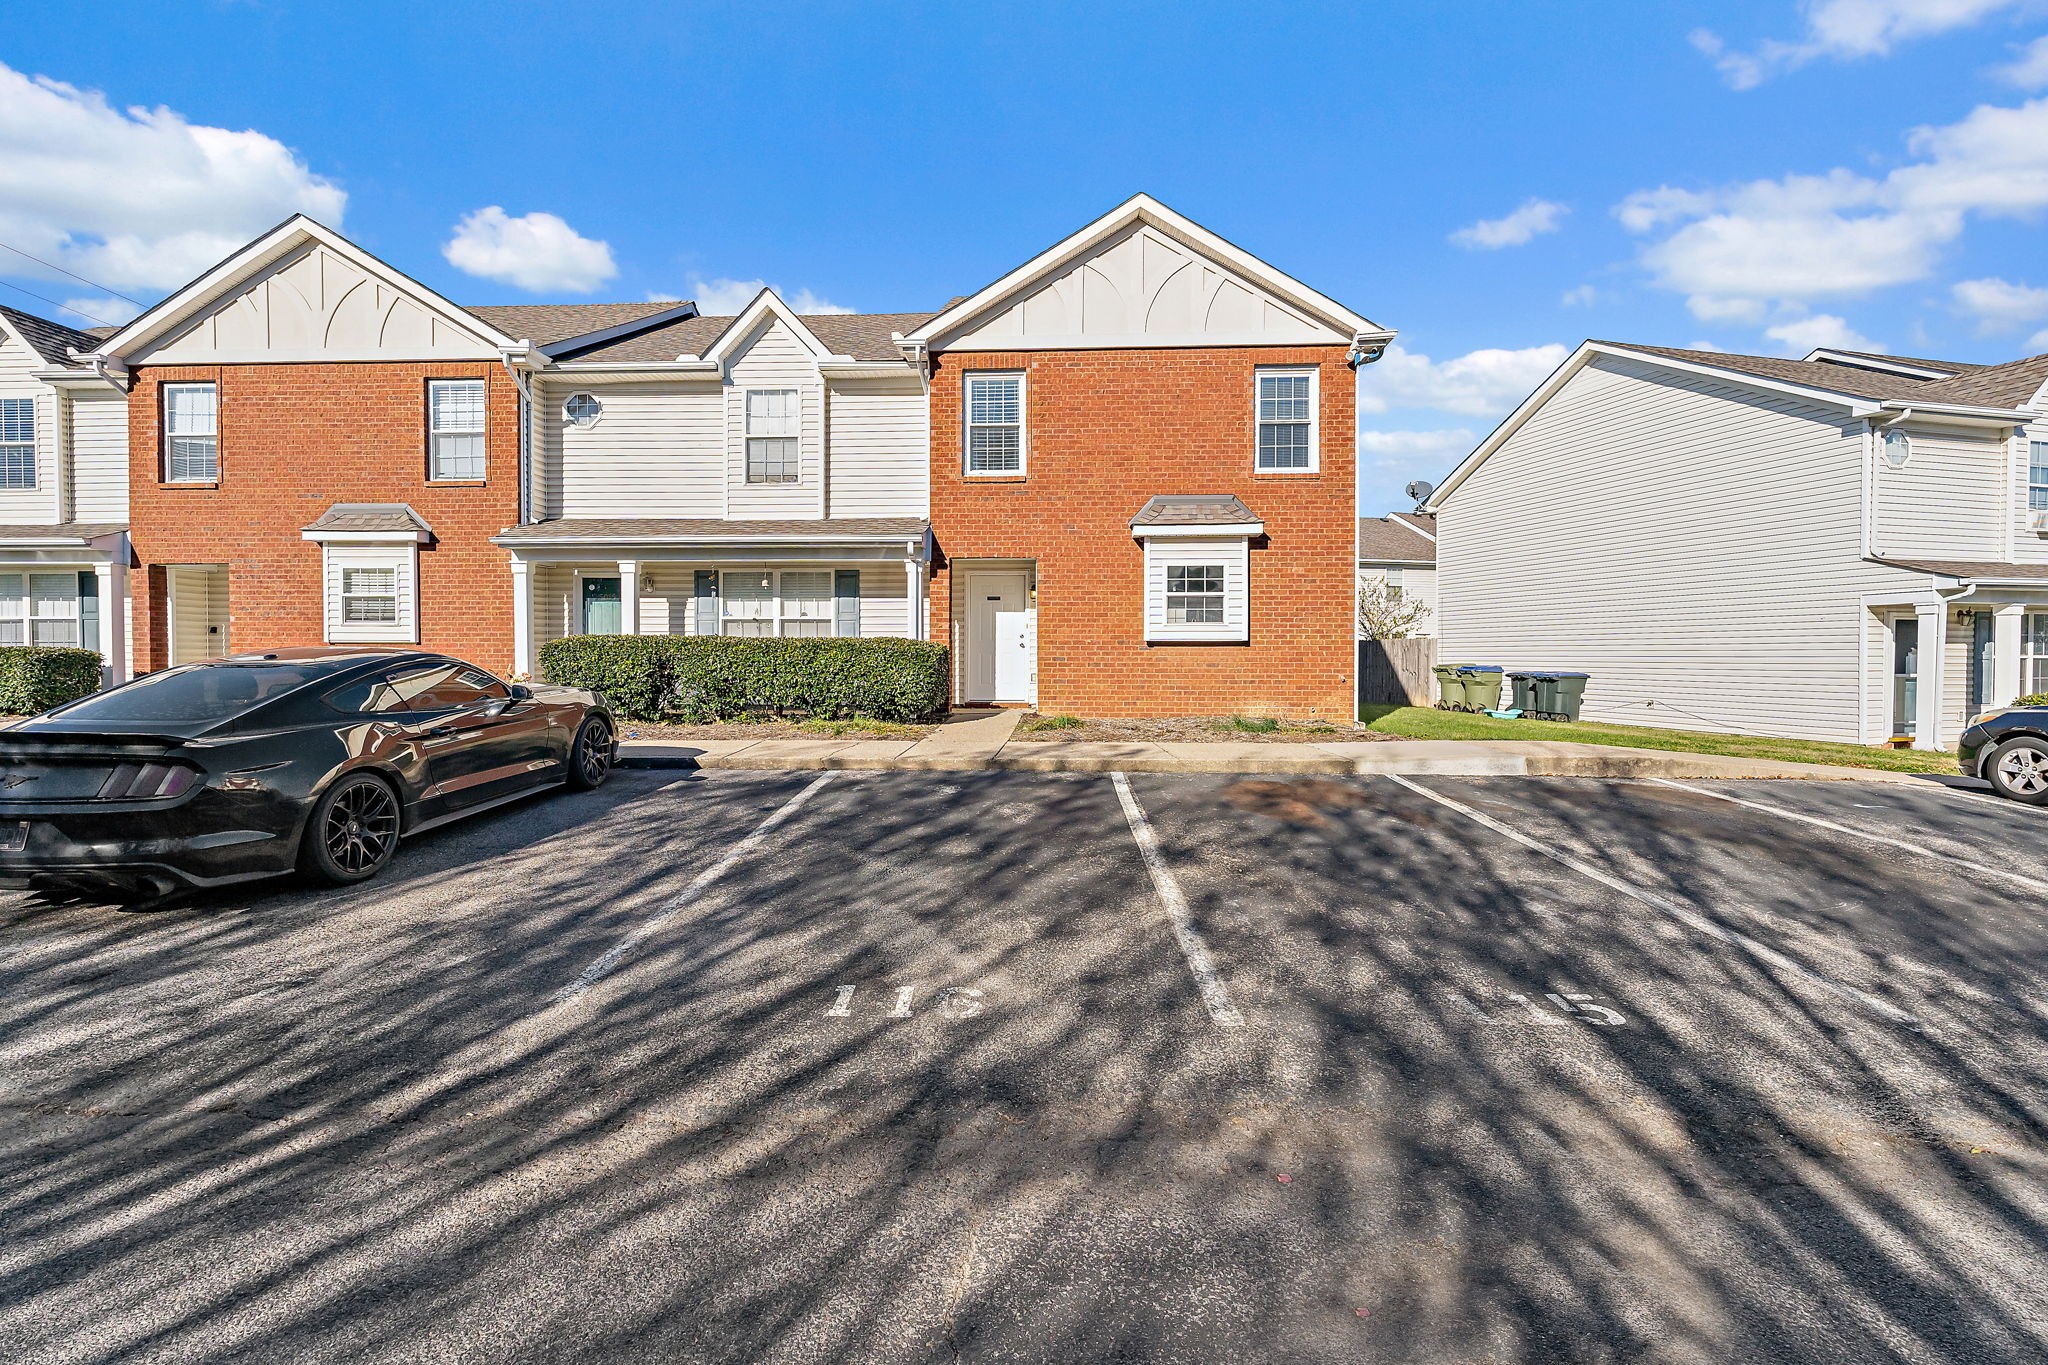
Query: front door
198	612
601	606
1905	675
1002	636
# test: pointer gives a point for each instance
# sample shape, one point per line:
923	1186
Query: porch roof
1985	570
673	531
79	531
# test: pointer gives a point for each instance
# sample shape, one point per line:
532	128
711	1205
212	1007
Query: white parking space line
1976	868
1215	995
1688	917
596	971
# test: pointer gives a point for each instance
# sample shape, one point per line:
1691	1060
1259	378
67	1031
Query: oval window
582	409
1898	448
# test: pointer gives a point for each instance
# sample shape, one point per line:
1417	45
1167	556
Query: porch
1975	638
67	585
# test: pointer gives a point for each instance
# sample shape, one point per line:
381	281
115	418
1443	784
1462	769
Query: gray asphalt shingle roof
1991	386
371	516
864	336
1393	539
671	529
1194	509
50	340
546	323
1971	568
70	530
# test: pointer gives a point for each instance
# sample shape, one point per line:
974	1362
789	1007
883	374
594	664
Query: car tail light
144	781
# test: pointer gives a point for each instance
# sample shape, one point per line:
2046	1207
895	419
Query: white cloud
720	297
1485	383
537	252
1822	329
112	312
1735	250
1402	450
1704	345
1582	297
1534	218
137	198
2038	342
1998	304
1845	30
2029	67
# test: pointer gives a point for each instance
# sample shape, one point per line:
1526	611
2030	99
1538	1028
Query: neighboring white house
63	493
1400	551
1844	547
764	474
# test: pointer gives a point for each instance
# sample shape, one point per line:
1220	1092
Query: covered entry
198	611
998	616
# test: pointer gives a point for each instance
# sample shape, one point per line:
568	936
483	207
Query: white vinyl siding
39	608
199	612
99	457
371	594
774	359
17	443
1287	403
1416	583
994	424
455	429
191	415
659	452
1690	543
18	364
1947	501
879	449
1197	590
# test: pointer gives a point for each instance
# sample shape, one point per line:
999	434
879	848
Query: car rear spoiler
65	743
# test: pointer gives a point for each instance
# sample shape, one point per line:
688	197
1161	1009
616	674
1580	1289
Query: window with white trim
2037	476
995	423
582	410
1194	594
770	602
191	433
369	594
39	608
17	443
2034	653
1287	421
455	429
772	449
1196	590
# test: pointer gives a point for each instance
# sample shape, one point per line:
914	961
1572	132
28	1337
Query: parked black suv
2009	749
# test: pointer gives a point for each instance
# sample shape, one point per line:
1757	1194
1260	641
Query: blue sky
1496	181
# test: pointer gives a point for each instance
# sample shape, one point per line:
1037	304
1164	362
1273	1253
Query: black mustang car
2009	749
256	764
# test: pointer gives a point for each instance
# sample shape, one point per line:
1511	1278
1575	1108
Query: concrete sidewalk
982	740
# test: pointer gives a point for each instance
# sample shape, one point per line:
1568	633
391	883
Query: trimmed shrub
34	678
2032	699
704	678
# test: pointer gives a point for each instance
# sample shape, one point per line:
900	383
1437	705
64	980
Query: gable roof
1885	361
1998	386
550	324
1397	539
50	340
863	336
1142	208
1194	509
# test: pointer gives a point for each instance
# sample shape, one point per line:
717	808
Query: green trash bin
1524	692
1481	684
1450	692
1569	692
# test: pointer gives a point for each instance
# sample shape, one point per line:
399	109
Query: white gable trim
273	248
1142	208
765	304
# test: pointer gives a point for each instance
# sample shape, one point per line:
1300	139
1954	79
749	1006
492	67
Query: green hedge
702	678
35	678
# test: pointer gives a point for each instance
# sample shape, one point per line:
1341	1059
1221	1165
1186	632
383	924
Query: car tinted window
206	691
448	686
371	696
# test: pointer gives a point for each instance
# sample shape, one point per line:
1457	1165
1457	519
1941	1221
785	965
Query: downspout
1876	443
523	383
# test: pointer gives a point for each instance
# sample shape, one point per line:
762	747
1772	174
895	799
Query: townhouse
1844	547
1118	480
63	493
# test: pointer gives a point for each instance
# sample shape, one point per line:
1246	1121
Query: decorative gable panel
318	305
1145	288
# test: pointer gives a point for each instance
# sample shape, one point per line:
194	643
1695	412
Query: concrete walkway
983	740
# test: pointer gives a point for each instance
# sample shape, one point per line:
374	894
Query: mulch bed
763	729
1194	730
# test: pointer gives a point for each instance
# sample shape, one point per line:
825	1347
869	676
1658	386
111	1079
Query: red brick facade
294	440
1107	429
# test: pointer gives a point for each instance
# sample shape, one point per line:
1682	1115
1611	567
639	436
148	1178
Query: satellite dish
1420	491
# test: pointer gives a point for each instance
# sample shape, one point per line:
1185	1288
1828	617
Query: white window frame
779	605
595	417
28	616
2037	490
795	434
1166	553
2033	653
1315	417
402	558
968	425
12	440
481	431
172	436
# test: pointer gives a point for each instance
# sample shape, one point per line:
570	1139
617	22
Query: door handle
440	731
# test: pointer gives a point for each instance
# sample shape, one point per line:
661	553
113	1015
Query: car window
371	696
446	687
205	691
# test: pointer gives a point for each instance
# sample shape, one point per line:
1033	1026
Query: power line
54	304
51	265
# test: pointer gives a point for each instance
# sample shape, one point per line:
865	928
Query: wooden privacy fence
1396	672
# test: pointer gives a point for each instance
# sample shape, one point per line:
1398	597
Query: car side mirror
521	692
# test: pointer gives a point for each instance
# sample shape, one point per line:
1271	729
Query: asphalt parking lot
896	1066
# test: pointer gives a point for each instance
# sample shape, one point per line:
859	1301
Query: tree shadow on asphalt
291	1123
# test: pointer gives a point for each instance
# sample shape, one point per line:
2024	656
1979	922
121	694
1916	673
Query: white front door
1002	636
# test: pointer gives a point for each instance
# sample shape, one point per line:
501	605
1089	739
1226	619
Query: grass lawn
1423	722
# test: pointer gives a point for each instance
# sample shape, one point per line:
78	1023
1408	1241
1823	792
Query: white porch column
629	597
522	617
913	598
113	642
2005	653
1933	658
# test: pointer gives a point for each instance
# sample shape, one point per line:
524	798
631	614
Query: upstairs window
17	443
772	455
191	433
995	424
1287	421
2037	475
455	429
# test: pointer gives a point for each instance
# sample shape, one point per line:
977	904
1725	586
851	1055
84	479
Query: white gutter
523	383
